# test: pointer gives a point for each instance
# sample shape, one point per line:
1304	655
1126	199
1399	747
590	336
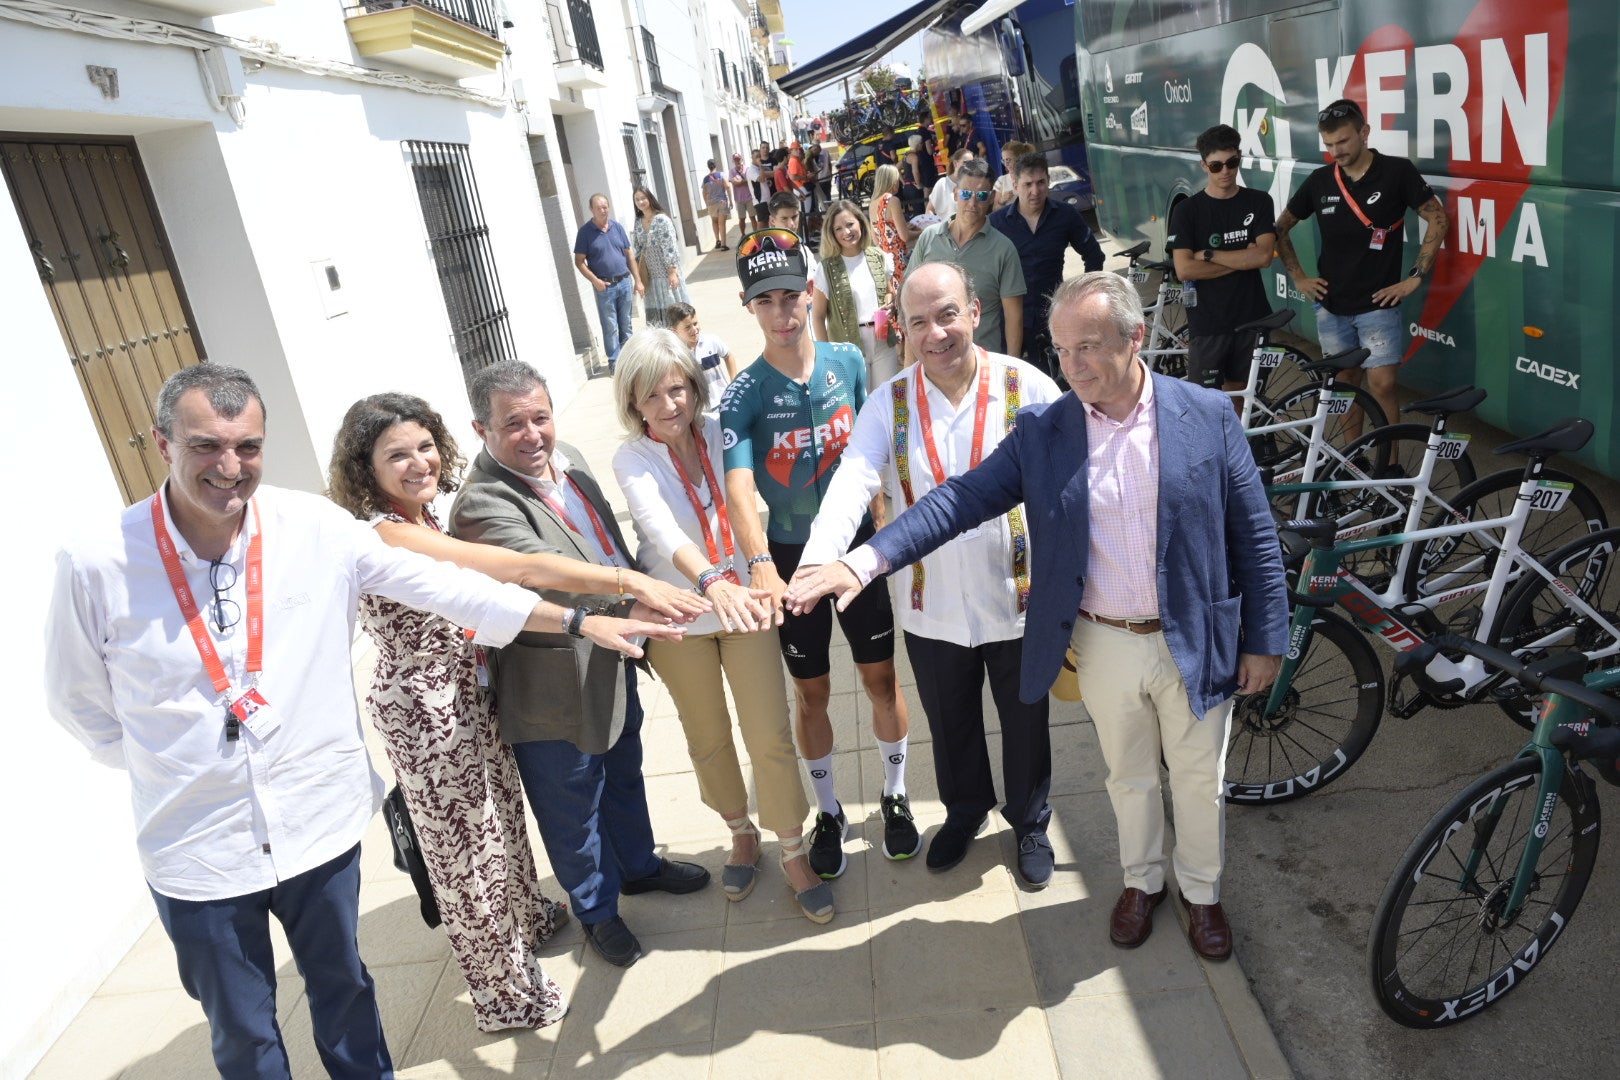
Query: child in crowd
713	355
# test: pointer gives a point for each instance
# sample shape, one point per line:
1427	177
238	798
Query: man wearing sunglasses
990	259
1220	238
1360	202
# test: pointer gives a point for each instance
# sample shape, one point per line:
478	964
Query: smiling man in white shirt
204	646
962	607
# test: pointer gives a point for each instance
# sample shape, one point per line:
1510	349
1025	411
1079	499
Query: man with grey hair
1129	463
204	646
602	256
569	709
966	240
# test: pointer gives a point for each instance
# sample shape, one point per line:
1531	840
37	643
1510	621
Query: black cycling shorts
868	622
1220	358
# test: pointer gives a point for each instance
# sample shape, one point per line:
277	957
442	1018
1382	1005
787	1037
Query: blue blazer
1221	589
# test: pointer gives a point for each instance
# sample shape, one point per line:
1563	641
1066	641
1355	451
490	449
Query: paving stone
950	958
666	999
1176	1034
770	966
999	1041
848	1053
449	1034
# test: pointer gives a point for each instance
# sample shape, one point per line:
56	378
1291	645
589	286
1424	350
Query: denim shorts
1378	331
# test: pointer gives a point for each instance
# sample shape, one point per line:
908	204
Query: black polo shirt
1354	271
1203	221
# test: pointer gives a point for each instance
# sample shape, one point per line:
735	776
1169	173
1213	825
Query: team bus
1508	107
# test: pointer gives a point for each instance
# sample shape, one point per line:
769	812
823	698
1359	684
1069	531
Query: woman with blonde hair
895	234
671	472
854	296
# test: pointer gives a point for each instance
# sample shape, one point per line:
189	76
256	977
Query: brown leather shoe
1132	920
1211	937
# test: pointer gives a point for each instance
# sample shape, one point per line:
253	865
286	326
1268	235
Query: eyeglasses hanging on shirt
222	578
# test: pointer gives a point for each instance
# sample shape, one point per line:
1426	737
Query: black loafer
950	844
1035	860
672	877
613	941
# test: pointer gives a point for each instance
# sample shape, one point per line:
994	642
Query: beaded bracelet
757	559
708	577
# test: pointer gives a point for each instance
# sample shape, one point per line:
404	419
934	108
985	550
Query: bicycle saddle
1564	437
1461	399
1323	529
1342	361
1133	252
1275	321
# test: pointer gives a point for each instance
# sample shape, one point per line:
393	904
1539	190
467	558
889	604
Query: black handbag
408	852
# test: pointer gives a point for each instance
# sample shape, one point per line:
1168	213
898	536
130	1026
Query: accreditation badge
253	712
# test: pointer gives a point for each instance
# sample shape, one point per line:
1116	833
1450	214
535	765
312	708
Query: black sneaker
951	843
827	844
900	837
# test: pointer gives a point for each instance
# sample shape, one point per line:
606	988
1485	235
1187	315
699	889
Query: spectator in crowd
717	203
800	178
204	645
894	230
1010	153
962	607
742	196
918	176
942	199
658	246
853	293
569	709
1220	238
602	255
1129	463
1043	231
429	699
713	356
822	166
887	147
760	188
669	469
786	419
989	258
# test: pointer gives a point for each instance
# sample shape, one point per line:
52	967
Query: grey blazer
547	686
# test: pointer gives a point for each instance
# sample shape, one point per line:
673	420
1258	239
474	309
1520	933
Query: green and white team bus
1509	109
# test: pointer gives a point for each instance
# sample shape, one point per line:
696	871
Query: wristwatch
1209	255
1416	271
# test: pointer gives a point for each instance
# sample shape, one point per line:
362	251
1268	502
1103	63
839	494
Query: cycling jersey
791	434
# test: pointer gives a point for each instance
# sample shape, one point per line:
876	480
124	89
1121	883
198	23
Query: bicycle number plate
1550	494
1138	276
1172	294
1270	358
1453	447
1339	402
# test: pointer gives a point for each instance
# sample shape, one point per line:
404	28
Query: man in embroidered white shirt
962	607
205	647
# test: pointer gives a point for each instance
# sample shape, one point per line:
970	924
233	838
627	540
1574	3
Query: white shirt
663	515
571	501
213	818
942	200
969	594
861	285
711	355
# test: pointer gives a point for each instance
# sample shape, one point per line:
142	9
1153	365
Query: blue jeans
592	812
226	963
614	306
1378	331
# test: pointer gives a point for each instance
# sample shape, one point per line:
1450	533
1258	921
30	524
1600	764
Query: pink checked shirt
1122	476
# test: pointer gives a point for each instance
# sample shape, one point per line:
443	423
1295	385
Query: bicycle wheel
1537	618
1329	714
1446	564
1394	452
1285	450
1442	947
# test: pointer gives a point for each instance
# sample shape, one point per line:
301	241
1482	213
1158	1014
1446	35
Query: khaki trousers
692	668
1139	706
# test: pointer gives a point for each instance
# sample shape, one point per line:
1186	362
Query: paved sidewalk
920	974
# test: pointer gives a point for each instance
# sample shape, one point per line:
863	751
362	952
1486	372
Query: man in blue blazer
1155	559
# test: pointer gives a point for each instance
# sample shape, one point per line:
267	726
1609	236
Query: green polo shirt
990	259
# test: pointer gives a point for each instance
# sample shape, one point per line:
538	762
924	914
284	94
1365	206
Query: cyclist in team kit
786	418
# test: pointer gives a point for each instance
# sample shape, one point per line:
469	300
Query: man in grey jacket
568	708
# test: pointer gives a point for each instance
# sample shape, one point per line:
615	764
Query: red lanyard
188	602
1338	174
980	408
562	512
697	505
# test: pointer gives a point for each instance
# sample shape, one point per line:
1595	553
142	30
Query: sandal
737	880
817	901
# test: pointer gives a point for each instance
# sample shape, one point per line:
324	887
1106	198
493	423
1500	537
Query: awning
857	53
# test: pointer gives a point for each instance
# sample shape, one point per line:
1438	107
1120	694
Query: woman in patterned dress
894	233
654	242
391	458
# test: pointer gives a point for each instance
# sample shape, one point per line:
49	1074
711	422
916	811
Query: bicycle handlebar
1414	664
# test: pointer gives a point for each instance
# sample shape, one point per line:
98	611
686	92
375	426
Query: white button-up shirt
217	818
969	595
574	504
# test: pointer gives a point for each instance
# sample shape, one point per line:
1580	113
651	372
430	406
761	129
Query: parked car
1071	186
852	176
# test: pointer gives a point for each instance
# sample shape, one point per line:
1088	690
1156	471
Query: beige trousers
752	664
1139	706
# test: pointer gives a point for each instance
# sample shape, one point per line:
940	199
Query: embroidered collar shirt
218	818
1122	485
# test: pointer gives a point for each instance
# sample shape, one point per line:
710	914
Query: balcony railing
478	14
756	21
649	52
575	39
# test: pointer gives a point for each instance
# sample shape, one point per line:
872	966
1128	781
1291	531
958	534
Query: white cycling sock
821	781
894	766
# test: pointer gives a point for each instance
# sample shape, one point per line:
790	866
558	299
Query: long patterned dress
657	247
889	239
465	797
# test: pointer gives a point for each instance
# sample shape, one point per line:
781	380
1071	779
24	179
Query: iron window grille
459	238
649	52
481	15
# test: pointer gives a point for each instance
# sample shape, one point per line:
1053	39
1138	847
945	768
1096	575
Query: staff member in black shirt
1220	238
1360	202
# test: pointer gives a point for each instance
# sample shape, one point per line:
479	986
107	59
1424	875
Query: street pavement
919	975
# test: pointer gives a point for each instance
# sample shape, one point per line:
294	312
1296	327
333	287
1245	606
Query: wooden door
108	273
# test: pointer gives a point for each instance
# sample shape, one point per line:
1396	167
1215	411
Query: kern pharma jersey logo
1252	101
